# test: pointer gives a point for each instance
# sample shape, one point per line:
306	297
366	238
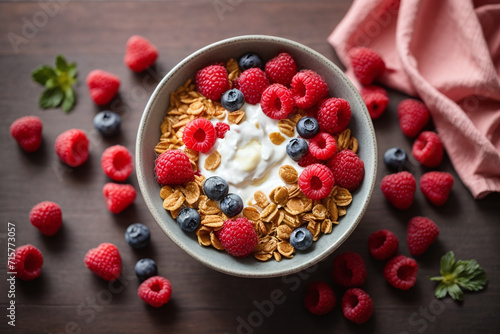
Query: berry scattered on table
428	149
323	146
72	147
276	101
301	238
334	115
366	64
399	189
421	233
250	60
349	270
199	135
212	81
46	217
357	306
348	169
104	261
137	235
395	159
145	268
107	123
308	88
376	100
188	219
156	291
297	148
307	127
413	115
116	162
140	53
252	83
316	181
231	204
221	128
118	197
382	244
281	69
232	99
172	167
215	187
238	237
401	272
28	261
103	86
436	187
27	131
319	298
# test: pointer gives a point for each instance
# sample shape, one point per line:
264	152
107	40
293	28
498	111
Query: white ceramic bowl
267	47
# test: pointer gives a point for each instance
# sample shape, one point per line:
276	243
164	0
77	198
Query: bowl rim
141	175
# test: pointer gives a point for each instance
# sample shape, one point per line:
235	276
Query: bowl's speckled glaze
267	47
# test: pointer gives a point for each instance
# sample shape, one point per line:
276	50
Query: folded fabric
446	53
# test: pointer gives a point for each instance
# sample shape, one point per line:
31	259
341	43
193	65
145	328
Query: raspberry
436	186
366	64
308	87
376	100
319	298
139	53
118	197
116	162
382	244
252	83
199	135
413	115
276	101
348	169
421	233
334	115
212	81
28	261
349	270
173	167
323	146
103	86
401	272
309	159
281	69
428	149
316	181
238	237
399	189
156	291
46	217
104	261
357	306
221	128
72	147
27	131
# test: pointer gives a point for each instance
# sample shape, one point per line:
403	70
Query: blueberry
297	148
301	238
107	122
307	127
188	219
137	235
145	268
215	187
250	60
395	158
231	205
232	99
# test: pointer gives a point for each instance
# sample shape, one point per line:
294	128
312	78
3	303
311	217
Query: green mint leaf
42	74
61	64
69	100
51	98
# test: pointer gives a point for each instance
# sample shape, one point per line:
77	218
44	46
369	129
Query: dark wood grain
68	298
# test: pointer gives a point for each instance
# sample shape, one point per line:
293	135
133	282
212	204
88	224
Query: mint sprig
58	82
457	276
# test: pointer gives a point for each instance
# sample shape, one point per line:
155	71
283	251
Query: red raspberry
281	69
212	81
413	115
118	196
348	169
319	298
199	135
27	262
238	237
401	272
252	83
421	233
116	162
399	189
323	146
104	261
316	181
221	128
27	131
139	53
349	270
46	217
309	159
357	306
72	147
173	167
276	101
382	244
334	115
428	149
436	187
308	87
366	64
376	100
103	86
156	291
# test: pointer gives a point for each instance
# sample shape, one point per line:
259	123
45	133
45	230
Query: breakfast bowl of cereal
256	156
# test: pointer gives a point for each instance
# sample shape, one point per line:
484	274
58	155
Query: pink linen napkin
447	53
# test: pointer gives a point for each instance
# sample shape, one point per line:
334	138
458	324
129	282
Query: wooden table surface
68	298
